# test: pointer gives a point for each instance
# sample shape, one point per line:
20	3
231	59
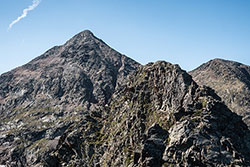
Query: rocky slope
163	118
83	104
42	99
159	117
230	80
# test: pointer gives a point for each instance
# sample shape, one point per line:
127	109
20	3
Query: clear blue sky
187	32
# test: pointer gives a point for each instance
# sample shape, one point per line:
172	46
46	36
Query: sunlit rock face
40	100
84	104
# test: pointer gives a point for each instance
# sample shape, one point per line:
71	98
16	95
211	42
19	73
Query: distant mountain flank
230	80
84	104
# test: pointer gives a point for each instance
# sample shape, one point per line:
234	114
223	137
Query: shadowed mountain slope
230	80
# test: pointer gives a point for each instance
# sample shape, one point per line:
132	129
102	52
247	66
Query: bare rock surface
84	104
163	118
42	99
230	80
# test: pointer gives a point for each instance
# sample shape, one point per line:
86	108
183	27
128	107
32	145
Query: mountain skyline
85	104
188	33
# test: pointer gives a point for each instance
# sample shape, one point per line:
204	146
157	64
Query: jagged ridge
163	118
75	106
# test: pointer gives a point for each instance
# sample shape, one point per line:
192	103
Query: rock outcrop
230	80
84	104
163	118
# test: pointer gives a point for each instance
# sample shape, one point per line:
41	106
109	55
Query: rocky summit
230	80
42	99
84	104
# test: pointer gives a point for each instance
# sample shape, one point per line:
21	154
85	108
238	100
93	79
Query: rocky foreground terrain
84	104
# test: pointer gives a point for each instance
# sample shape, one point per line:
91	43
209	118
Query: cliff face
230	80
40	100
84	104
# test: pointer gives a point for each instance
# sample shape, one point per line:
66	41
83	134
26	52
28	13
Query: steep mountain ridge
230	80
83	55
84	104
159	117
40	100
163	118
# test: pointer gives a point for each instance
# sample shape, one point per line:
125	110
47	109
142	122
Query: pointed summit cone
40	100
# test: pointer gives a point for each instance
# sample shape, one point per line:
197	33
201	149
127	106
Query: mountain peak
54	91
85	33
230	80
81	102
82	37
219	64
166	119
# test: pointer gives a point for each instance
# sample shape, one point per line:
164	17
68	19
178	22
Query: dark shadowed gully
84	104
